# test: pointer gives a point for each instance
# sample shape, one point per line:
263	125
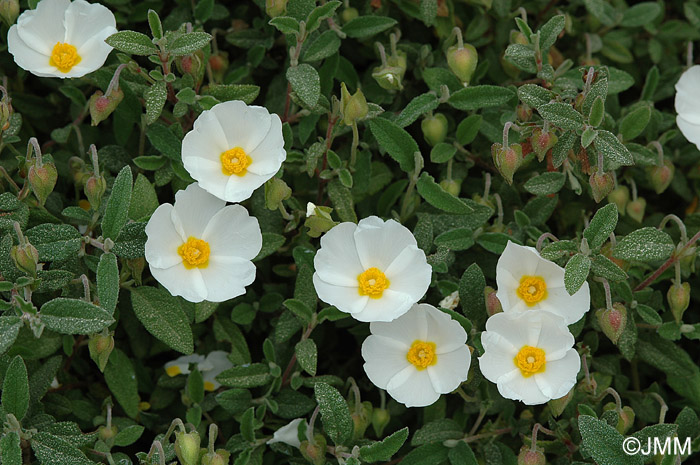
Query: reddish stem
667	264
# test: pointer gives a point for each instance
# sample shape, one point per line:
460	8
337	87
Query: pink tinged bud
542	142
462	61
626	419
531	457
101	106
620	196
493	304
601	185
314	452
220	457
612	321
678	297
25	257
660	177
101	346
42	179
507	160
635	209
95	188
524	112
275	8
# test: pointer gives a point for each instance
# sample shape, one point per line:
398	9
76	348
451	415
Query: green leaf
522	57
456	239
117	209
203	10
649	315
477	97
128	435
428	11
438	430
74	316
189	43
342	200
604	443
108	282
576	272
615	153
247	427
155	97
322	47
534	95
436	196
132	42
249	376
121	380
417	107
15	389
562	115
54	241
363	27
335	415
53	450
468	129
144	199
307	355
646	245
305	83
9	328
551	30
396	142
155	24
285	24
235	401
165	141
605	13
10	450
271	242
385	449
635	121
605	268
300	309
601	226
195	386
597	113
641	14
162	316
321	13
442	152
494	242
226	92
545	183
462	454
471	294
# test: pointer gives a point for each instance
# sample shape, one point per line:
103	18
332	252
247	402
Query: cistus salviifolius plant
416	232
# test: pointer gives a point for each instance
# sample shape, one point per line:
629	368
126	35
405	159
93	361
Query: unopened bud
601	184
451	301
107	433
275	8
635	209
493	304
507	160
192	64
101	106
524	112
349	14
578	102
314	452
542	142
620	196
6	111
678	297
9	10
76	165
462	61
220	457
187	447
530	457
390	76
558	405
451	186
434	128
95	188
276	190
361	420
612	321
352	107
626	419
42	178
101	346
660	176
380	419
25	256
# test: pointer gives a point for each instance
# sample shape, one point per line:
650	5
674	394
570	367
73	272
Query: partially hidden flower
688	104
418	356
210	367
529	356
233	149
61	38
288	434
200	248
373	270
526	281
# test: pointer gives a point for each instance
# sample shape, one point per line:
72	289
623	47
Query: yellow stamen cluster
64	57
372	283
530	360
532	289
235	161
422	354
194	253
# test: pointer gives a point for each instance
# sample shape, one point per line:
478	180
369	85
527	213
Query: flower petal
523	389
93	54
447	334
42	28
84	21
414	390
240	188
162	239
207	173
410	273
227	277
388	307
407	328
337	261
559	376
450	370
178	280
384	358
496	364
687	101
345	299
194	208
27	57
518	329
570	307
379	242
690	130
269	154
232	232
244	125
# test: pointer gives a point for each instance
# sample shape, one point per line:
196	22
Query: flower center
194	253
235	161
372	283
532	289
64	57
530	360
209	386
173	371
422	354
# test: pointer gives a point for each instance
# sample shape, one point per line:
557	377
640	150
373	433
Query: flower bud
390	76
493	304
220	457
101	346
626	420
635	209
434	128
507	160
315	453
6	111
660	176
42	178
557	406
9	10
380	419
276	190
107	433
688	258
542	142
620	196
95	188
451	301
462	61
76	165
601	184
25	256
612	321
187	447
451	186
361	420
531	457
524	112
678	297
352	107
101	106
275	8
193	64
578	102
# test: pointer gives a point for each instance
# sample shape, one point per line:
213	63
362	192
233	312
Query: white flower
527	281
450	302
529	356
62	38
288	434
202	249
210	367
373	270
688	104
233	149
418	356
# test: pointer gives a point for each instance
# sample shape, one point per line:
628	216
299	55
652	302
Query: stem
633	185
600	164
382	54
109	416
355	143
458	33
479	419
542	238
86	287
667	263
310	428
34	144
382	399
618	400
660	151
678	280
18	230
449	169
487	184
499	207
7	176
213	433
679	222
608	296
175	423
587	373
535	429
689	54
589	81
664	407
114	83
495	432
95	161
356	393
